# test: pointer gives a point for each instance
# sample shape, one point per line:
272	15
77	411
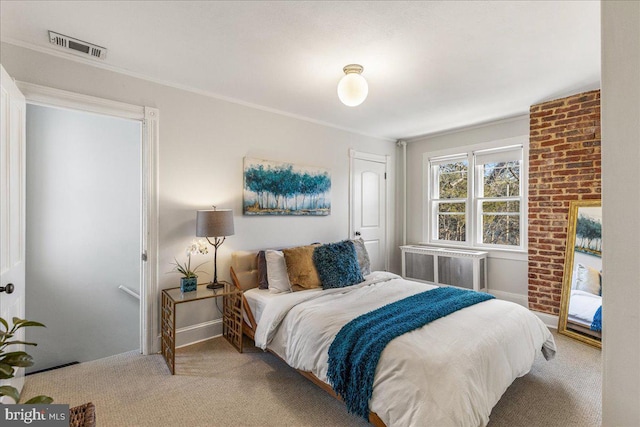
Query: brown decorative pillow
300	268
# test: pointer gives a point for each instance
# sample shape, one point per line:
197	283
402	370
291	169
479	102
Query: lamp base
215	285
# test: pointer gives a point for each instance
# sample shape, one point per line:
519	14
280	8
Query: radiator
444	266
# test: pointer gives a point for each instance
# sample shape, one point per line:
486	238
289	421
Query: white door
12	203
368	206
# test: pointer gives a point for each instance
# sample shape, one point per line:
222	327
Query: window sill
510	254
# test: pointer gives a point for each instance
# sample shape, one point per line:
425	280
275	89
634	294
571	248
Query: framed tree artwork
278	188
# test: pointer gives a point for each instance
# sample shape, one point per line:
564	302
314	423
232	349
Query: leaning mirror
581	302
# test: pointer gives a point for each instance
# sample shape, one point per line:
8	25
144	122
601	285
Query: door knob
8	289
357	233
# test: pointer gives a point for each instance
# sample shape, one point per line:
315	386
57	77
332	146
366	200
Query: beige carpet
566	391
216	386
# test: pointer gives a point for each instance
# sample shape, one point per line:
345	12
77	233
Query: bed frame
583	329
244	274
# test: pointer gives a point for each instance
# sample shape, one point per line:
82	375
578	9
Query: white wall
620	99
202	143
83	235
506	276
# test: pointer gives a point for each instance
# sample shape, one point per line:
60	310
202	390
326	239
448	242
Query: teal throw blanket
596	324
356	349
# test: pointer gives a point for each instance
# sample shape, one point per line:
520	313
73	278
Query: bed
583	307
585	302
450	372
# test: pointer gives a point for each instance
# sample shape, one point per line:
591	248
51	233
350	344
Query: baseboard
196	333
549	320
522	300
75	362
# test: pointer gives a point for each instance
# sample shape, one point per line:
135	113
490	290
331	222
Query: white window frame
478	197
433	202
473	230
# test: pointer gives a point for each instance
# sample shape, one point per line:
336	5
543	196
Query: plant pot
188	284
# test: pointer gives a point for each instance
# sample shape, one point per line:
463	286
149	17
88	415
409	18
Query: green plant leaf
19	342
39	400
17	321
2	355
26	323
6	371
18	358
12	392
186	270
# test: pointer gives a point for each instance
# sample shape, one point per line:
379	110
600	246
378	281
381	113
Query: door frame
378	158
12	216
149	118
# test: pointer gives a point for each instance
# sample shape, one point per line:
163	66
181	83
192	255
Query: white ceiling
431	66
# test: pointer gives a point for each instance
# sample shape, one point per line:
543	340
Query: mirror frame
574	206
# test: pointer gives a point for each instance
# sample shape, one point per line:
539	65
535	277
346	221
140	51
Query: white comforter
451	372
583	306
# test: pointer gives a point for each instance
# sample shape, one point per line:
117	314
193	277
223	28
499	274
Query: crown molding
103	65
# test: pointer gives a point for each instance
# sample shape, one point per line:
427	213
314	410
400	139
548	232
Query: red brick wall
564	165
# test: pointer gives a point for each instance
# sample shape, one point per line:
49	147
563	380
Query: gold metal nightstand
231	316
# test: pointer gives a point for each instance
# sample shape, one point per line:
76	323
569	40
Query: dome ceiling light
353	88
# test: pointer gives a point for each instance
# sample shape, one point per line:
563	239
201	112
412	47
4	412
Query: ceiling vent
76	46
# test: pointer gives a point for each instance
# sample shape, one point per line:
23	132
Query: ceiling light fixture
353	88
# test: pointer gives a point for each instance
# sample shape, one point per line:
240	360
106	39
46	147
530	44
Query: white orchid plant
196	247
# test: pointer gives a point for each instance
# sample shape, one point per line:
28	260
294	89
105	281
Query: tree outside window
499	203
450	200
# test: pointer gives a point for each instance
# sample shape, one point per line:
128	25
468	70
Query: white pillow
587	279
277	272
363	256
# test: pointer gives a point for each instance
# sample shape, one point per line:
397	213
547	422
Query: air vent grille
76	46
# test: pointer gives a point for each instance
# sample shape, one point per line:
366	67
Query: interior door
368	207
12	211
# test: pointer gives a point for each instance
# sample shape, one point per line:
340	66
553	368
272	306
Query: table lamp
217	224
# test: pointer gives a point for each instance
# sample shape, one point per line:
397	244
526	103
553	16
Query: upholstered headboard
245	267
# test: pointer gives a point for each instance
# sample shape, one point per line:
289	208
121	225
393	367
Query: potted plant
16	359
189	279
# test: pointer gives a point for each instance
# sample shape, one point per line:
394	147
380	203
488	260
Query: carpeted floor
216	386
566	391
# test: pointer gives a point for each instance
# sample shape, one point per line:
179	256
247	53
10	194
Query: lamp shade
214	223
352	87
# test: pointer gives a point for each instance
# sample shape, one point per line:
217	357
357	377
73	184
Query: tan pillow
244	265
300	268
588	279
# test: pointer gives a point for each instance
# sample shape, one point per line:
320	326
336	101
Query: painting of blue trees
589	231
277	188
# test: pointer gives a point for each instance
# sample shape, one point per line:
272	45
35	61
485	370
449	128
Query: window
498	197
449	198
476	198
